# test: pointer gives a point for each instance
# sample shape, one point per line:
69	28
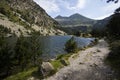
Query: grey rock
46	68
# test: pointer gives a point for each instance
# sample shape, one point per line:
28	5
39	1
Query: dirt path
88	65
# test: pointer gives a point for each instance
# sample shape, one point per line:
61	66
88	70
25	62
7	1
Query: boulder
46	68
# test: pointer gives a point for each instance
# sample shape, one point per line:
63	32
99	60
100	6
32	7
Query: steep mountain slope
26	17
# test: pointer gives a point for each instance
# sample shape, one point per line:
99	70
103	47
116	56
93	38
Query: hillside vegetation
26	18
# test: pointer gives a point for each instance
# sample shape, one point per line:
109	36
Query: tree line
22	55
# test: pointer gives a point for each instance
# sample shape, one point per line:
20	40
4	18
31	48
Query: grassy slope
22	75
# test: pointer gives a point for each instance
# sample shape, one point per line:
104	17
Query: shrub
114	56
4	30
71	46
114	26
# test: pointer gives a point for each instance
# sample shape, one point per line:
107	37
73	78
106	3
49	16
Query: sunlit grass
57	64
22	75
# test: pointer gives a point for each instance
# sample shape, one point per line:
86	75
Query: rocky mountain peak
75	15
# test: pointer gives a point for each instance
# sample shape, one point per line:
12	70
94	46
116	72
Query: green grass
57	64
64	56
22	75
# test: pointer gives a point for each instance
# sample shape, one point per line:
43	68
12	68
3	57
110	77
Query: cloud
80	5
49	5
92	9
52	6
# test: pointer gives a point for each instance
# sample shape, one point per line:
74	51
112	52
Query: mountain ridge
75	15
74	18
78	23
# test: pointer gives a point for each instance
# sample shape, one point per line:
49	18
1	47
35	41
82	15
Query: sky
94	9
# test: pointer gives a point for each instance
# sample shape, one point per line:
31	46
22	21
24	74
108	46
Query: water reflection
53	45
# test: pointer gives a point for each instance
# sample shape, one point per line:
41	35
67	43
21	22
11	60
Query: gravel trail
88	65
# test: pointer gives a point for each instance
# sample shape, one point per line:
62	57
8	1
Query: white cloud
95	10
80	5
49	5
54	5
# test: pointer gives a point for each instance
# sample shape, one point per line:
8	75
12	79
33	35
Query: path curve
88	65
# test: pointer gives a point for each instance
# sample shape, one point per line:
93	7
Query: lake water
51	46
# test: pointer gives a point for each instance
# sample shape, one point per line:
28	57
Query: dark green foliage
35	32
6	58
114	26
23	56
35	50
98	33
28	51
78	33
112	29
114	55
8	11
113	35
4	30
22	52
4	8
26	15
71	46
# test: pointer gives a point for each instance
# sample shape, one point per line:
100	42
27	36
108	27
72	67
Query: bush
4	30
19	55
114	55
71	46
